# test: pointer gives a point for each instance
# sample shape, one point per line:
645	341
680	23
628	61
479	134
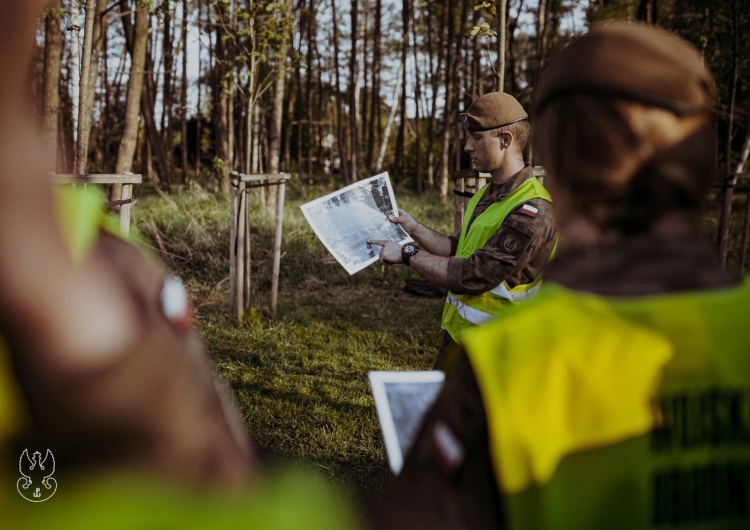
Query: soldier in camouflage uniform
508	232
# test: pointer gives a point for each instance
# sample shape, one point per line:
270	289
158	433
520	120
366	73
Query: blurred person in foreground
507	234
619	396
110	413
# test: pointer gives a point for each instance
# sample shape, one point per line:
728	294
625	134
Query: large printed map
346	219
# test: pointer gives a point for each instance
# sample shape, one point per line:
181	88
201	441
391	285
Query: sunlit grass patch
300	379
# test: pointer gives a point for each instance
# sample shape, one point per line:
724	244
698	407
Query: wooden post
233	245
277	246
126	194
240	247
241	232
248	254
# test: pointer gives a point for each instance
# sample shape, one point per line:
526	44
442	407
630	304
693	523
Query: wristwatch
407	251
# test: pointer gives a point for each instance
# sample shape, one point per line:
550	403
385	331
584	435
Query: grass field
300	378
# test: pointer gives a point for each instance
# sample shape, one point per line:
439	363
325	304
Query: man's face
486	150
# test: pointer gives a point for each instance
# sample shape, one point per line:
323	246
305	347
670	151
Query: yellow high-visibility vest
624	413
462	311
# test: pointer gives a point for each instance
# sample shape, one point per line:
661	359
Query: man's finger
379	242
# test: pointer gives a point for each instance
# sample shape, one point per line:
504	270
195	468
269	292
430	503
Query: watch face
410	249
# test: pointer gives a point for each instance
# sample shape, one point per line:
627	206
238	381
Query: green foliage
301	378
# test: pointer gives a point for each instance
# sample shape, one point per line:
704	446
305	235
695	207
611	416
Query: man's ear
506	138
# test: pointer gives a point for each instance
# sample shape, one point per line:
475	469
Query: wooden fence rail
125	202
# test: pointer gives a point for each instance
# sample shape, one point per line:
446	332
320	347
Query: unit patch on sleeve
511	243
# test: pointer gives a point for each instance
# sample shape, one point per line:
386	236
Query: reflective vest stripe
515	296
477	316
468	313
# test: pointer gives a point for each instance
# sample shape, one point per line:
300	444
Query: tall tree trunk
309	91
168	87
199	105
353	81
391	117
148	98
51	81
292	119
277	113
445	135
436	63
363	107
231	53
459	78
84	116
476	86
502	36
417	105
541	37
219	105
75	72
512	26
374	120
183	95
400	165
100	30
139	42
340	139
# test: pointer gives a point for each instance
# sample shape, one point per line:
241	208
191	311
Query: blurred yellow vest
619	413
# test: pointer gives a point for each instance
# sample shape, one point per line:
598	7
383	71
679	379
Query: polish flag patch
529	210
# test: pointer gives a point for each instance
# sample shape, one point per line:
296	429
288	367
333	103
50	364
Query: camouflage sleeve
517	253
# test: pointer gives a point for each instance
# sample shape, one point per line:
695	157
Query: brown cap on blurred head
633	61
491	111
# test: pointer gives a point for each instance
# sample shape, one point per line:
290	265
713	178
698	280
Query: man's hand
390	251
406	221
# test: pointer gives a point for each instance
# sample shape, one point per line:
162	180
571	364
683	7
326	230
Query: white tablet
401	400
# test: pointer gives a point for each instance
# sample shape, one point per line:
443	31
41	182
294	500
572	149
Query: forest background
186	91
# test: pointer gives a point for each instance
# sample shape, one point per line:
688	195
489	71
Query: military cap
633	61
492	111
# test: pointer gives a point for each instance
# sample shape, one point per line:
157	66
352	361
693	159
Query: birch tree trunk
445	135
502	6
400	155
126	151
310	60
374	121
183	95
51	80
353	80
74	75
84	116
417	105
340	138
